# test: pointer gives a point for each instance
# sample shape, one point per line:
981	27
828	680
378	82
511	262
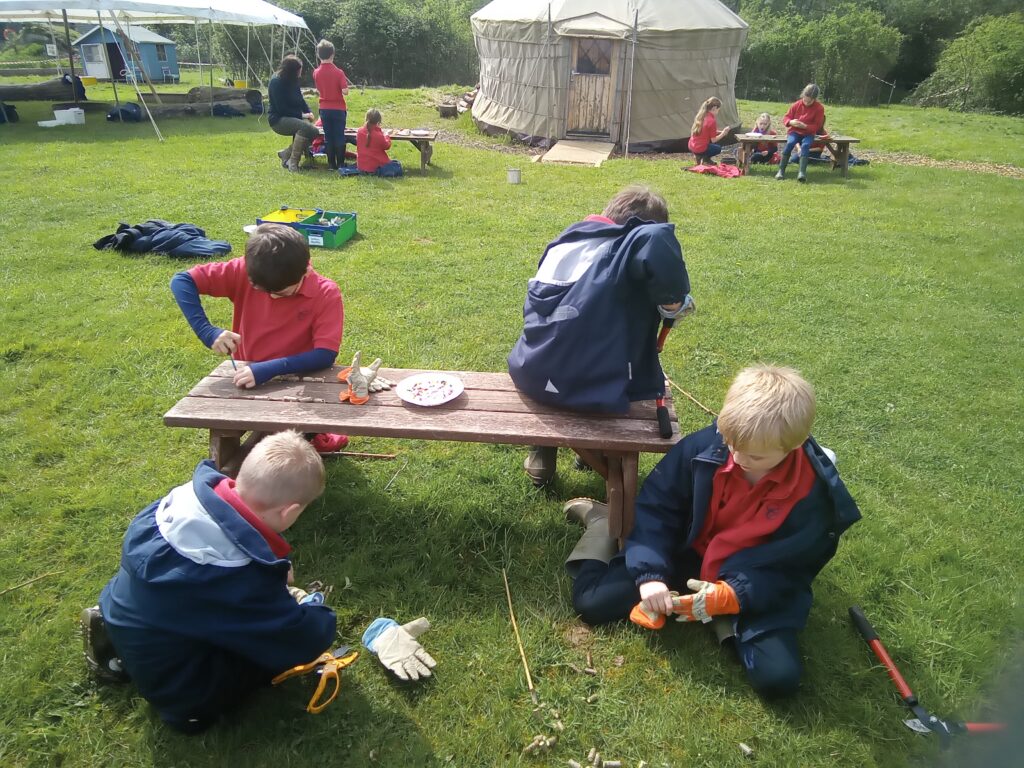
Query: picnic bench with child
838	146
489	410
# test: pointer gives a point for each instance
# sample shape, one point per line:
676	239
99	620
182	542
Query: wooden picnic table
423	142
490	410
839	147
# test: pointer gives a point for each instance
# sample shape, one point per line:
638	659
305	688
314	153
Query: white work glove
396	647
374	381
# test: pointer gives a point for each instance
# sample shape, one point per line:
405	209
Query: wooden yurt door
592	86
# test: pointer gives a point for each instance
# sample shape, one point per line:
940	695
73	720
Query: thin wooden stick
360	455
519	640
30	581
691	397
396	474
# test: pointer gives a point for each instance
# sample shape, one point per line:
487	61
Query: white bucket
514	176
70	116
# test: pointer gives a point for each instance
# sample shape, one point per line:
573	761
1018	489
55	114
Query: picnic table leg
232	465
630	472
224	444
744	158
595	460
846	160
613	484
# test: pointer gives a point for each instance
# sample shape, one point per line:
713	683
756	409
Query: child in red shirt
287	318
805	119
704	135
372	146
332	84
765	151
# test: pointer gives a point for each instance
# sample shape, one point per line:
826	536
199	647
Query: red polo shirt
743	515
271	328
371	149
330	81
699	141
226	490
813	116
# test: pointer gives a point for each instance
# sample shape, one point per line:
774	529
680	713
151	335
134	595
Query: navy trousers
333	121
605	593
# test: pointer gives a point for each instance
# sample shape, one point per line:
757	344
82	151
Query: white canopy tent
628	71
121	13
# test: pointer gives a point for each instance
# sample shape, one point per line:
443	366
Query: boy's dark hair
276	256
291	67
324	50
637	200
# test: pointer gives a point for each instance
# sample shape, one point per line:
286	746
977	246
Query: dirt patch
578	635
892	158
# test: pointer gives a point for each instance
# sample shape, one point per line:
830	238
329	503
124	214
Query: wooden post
71	56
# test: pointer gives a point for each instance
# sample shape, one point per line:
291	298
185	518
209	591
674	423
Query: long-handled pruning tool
923	720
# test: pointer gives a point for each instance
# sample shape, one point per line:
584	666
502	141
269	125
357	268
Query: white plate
430	388
420	132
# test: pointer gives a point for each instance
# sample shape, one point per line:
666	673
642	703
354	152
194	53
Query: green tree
983	69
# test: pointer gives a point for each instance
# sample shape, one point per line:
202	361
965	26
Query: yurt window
593	57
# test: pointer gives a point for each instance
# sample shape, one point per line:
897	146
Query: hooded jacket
200	593
772	580
591	322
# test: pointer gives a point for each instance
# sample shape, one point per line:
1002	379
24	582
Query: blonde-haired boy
739	517
199	614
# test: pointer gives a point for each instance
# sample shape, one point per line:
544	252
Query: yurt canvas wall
571	67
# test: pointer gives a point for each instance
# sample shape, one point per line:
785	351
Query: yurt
625	71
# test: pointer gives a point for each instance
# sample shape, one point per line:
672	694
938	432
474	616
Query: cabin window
594	57
161	52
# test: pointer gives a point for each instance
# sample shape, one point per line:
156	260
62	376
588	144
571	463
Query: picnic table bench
838	146
490	410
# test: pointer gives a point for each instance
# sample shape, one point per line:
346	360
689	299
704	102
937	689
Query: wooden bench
490	410
838	146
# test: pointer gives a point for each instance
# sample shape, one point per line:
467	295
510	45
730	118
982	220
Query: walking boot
299	146
284	154
594	544
541	464
100	655
802	174
585	511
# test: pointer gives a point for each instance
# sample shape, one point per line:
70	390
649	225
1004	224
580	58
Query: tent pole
199	52
248	29
106	58
53	39
551	89
71	56
632	66
211	66
138	55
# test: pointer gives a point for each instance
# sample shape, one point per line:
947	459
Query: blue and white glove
396	647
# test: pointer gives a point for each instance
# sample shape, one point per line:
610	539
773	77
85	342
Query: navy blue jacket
285	99
591	322
199	589
184	240
772	580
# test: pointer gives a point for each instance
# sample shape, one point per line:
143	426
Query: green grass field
896	292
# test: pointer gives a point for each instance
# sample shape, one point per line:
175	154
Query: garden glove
358	380
397	648
709	599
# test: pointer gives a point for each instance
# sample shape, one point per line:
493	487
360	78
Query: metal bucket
515	176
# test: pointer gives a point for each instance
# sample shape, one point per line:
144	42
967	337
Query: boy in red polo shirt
200	613
287	318
740	517
332	86
805	119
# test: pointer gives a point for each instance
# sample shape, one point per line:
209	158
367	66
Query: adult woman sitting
289	113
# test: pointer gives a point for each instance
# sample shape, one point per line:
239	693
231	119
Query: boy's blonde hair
767	406
637	200
324	50
282	469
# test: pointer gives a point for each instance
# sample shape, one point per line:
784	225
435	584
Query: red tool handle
984	727
868	633
664	420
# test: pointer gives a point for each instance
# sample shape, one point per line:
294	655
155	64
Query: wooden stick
396	474
692	398
519	640
360	455
30	581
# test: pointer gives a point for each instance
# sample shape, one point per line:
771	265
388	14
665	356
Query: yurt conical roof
684	52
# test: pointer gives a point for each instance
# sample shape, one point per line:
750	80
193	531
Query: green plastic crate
287	215
328	229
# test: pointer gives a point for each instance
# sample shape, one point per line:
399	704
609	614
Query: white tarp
686	51
151	12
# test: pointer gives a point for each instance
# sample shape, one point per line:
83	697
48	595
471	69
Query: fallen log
58	89
196	108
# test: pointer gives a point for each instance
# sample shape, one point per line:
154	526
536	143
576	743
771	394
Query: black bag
128	113
8	113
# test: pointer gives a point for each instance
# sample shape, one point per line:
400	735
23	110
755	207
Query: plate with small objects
403	132
420	132
430	388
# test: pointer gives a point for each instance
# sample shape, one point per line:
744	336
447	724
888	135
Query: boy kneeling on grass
743	513
200	613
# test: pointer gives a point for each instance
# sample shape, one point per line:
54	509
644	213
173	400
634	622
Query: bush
982	70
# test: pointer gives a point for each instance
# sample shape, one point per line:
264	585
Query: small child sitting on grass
287	318
741	515
372	146
200	614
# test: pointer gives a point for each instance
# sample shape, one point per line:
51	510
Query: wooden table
490	410
839	147
423	143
